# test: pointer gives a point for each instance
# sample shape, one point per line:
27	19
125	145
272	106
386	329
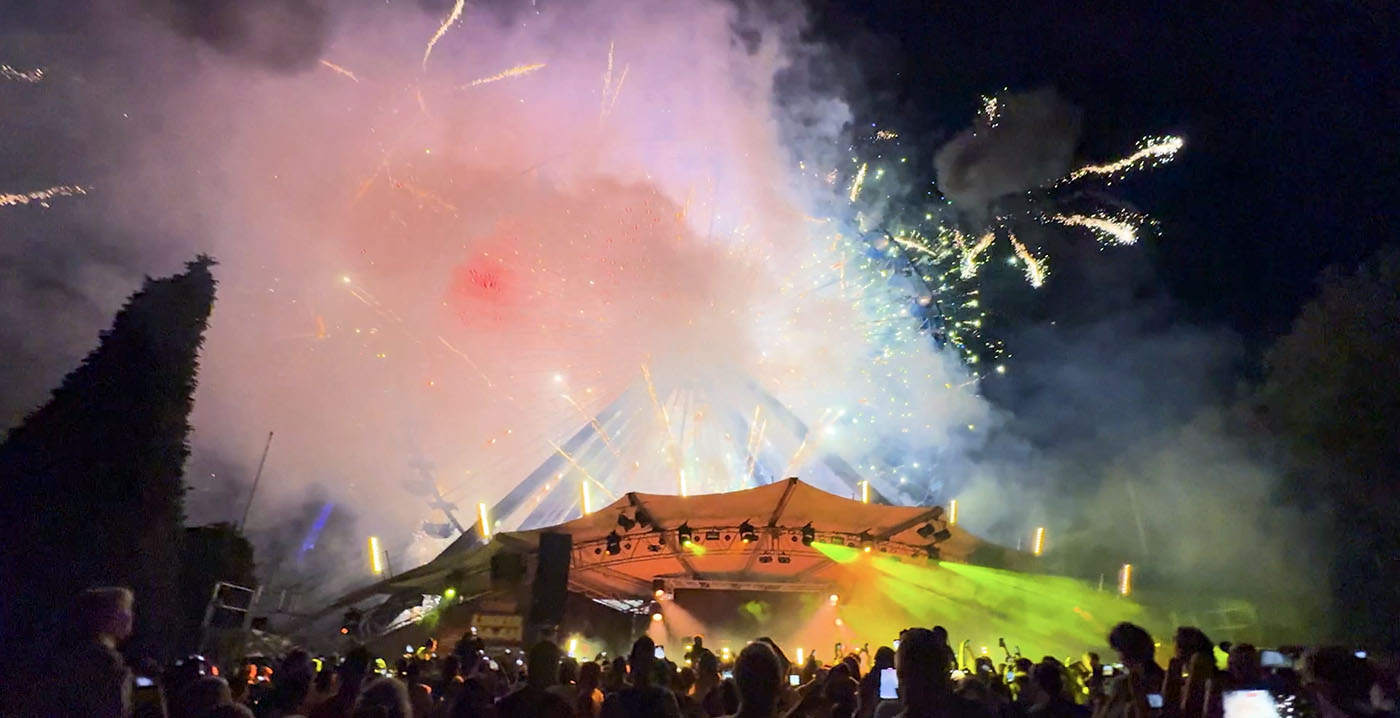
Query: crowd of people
918	676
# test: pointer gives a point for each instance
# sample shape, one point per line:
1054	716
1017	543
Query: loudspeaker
551	585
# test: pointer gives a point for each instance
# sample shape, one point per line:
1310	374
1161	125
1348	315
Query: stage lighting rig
809	534
614	546
684	535
625	522
643	518
747	534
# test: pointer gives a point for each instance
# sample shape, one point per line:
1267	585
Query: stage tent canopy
620	549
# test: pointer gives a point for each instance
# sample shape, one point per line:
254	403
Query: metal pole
257	477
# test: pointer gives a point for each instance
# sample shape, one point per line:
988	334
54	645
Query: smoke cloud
1022	141
279	35
422	276
426	285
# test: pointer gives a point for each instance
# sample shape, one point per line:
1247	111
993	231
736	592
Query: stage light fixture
614	546
711	535
765	558
643	518
833	598
932	552
625	522
784	559
867	541
684	535
926	531
942	535
747	533
655	610
658	588
654	547
809	534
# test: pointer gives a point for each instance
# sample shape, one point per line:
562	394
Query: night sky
1291	114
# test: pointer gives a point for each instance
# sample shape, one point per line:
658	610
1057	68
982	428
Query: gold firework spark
673	452
617	89
1035	268
452	17
909	243
858	182
469	361
516	71
338	70
593	421
991	110
607	82
886	135
1118	230
969	260
32	76
40	197
1151	150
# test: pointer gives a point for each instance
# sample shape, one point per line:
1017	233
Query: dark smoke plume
280	35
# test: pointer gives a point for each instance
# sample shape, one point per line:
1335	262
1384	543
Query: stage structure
719	446
786	536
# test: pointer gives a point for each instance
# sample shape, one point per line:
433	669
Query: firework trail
32	77
1035	268
1117	230
1151	151
617	89
469	361
672	451
908	243
339	70
452	17
858	182
577	466
611	91
968	268
40	197
593	421
516	71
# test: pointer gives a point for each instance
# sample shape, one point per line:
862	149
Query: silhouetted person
352	674
941	635
1049	701
92	680
925	685
758	675
589	699
474	700
870	682
707	685
387	697
1127	694
642	699
535	699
